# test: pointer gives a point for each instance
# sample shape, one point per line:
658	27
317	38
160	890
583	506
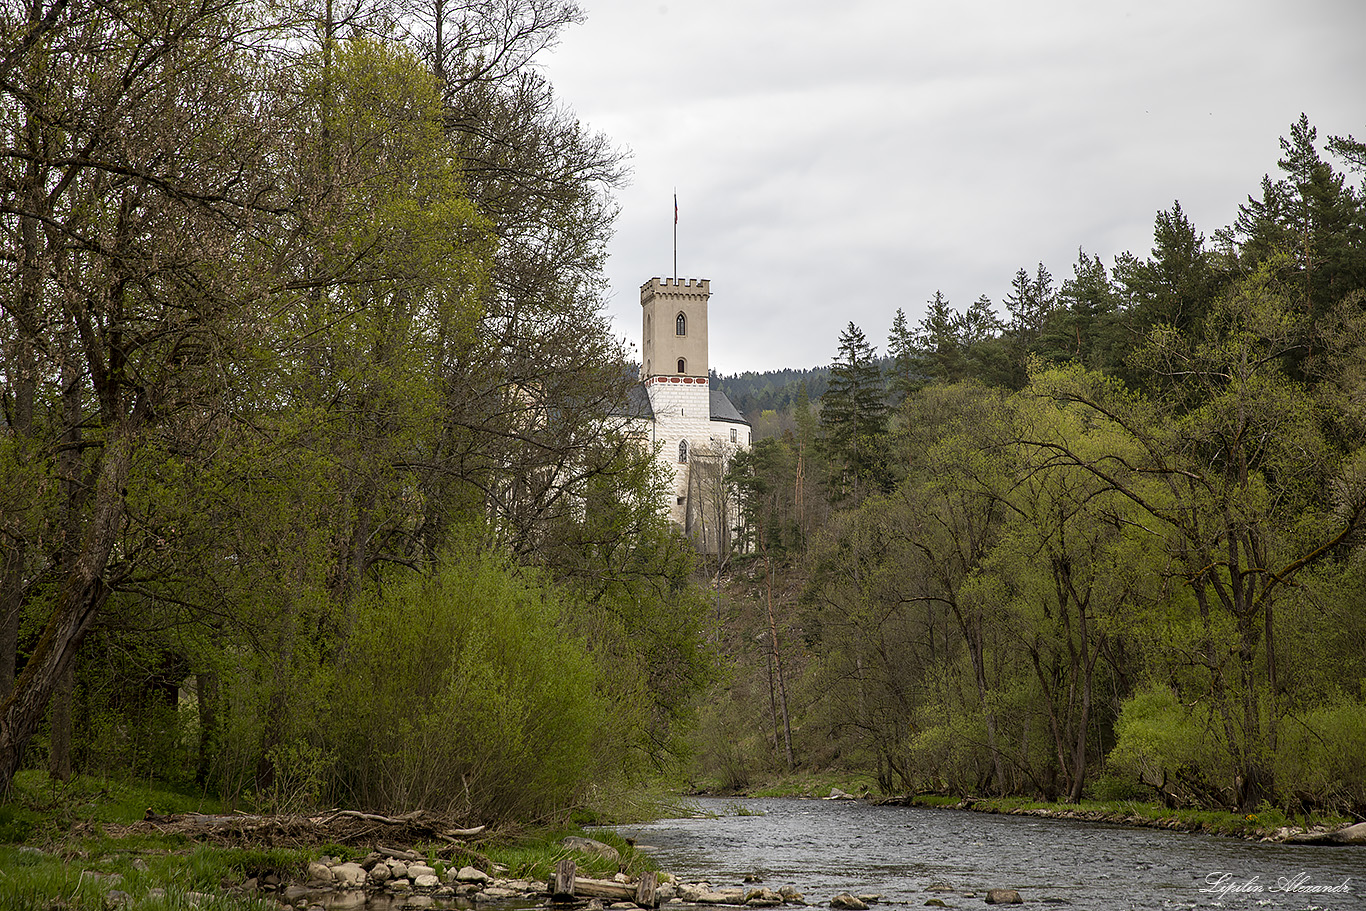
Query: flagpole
675	237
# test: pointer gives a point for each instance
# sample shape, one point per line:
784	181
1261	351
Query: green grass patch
533	856
56	850
639	803
813	784
81	879
47	808
1132	812
55	853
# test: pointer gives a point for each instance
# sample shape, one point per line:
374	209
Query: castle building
694	429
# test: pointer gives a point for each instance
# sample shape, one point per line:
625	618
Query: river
908	854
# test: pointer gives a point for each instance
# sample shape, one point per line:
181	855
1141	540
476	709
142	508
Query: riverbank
1268	825
97	844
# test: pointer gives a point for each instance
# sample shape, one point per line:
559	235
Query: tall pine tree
854	418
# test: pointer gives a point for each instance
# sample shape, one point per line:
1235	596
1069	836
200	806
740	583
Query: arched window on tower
681	324
682	366
682	450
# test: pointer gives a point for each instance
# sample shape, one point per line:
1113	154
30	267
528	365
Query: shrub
461	692
1117	788
1318	762
948	756
1176	749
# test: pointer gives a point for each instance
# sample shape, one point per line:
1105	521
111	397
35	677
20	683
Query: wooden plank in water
604	888
563	884
645	890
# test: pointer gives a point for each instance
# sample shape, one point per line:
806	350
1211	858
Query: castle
693	428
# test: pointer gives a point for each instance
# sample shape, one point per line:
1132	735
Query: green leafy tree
1066	573
1236	473
140	283
1176	285
758	473
939	341
985	344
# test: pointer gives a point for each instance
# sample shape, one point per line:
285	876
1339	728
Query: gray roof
638	406
638	403
723	410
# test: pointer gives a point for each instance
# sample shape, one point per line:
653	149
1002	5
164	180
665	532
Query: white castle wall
682	407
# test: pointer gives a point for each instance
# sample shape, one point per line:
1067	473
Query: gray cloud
834	162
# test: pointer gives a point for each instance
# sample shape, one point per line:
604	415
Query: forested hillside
1106	541
773	390
311	489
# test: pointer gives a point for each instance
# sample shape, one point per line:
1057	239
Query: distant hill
773	390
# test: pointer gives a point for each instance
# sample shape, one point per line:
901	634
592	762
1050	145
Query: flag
675	208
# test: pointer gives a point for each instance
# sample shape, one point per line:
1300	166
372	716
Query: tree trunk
206	689
778	664
1088	663
972	635
59	751
11	604
82	594
20	407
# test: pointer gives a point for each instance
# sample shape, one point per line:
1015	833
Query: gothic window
682	450
682	366
681	325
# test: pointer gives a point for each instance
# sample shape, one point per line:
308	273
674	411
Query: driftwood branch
339	826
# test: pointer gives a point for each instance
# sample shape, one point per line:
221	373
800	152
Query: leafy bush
16	823
1320	755
299	774
461	692
948	756
1116	788
726	751
1176	749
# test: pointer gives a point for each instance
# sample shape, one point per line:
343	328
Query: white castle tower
696	428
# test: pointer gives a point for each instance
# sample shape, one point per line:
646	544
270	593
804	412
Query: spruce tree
854	417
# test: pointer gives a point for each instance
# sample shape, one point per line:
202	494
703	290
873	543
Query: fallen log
335	825
565	884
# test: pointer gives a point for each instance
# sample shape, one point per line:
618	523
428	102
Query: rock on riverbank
398	874
333	883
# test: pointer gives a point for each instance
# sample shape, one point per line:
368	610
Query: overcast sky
837	159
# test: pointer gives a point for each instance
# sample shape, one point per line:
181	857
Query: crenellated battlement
674	288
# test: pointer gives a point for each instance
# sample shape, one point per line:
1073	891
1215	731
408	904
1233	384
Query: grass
56	852
82	879
807	784
636	803
534	855
1261	824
